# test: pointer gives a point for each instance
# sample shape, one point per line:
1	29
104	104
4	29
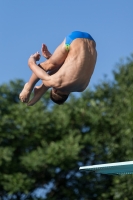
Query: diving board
118	168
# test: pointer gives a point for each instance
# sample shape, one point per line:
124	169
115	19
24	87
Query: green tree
45	145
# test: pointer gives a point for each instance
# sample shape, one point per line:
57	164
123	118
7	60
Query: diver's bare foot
38	93
33	58
45	51
25	94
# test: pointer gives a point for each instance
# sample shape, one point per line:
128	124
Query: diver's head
58	96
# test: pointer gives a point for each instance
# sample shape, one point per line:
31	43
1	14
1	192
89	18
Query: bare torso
69	71
76	71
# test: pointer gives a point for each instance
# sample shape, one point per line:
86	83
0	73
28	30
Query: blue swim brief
74	35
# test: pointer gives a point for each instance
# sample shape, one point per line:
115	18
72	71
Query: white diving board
119	168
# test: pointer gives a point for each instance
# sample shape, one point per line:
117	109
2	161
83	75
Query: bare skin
75	67
28	87
45	51
39	91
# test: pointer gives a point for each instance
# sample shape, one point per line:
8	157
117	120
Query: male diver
68	70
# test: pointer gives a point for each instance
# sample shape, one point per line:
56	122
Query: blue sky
25	25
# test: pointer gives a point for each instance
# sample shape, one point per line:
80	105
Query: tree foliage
43	146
